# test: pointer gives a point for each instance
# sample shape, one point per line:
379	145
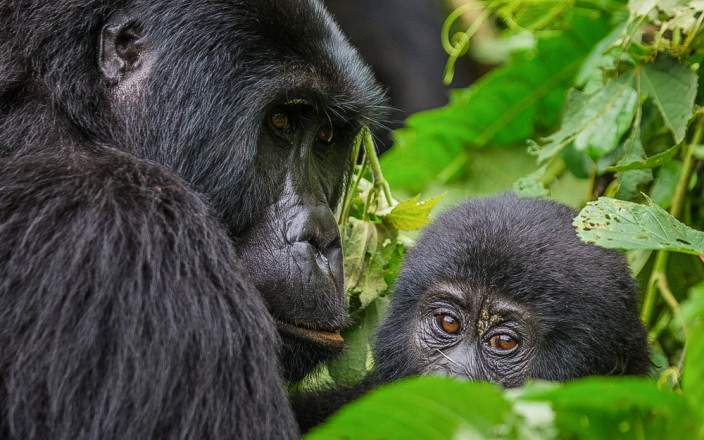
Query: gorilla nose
317	227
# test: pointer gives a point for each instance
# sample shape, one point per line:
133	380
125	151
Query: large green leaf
693	382
507	106
618	224
673	88
594	123
607	408
427	408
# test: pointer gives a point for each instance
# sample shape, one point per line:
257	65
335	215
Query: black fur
574	304
136	195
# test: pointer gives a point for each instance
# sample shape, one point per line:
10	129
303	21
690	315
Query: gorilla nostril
316	227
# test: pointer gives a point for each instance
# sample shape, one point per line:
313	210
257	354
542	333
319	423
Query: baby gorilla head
502	290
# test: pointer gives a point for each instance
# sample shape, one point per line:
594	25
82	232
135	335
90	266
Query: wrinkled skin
502	290
166	192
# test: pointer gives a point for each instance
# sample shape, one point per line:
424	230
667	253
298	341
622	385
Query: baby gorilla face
474	334
502	290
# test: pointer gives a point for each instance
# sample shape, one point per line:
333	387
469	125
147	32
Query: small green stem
659	273
379	180
351	187
554	170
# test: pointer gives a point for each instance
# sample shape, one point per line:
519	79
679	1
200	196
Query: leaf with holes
617	224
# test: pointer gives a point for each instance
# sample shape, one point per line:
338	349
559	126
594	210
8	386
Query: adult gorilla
139	139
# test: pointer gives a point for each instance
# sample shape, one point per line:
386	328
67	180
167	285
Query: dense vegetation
597	105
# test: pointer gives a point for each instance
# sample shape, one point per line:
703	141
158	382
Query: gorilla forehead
525	250
271	42
282	46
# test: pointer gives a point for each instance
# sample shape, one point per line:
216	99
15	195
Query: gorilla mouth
320	337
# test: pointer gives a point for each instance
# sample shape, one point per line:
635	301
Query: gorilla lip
318	336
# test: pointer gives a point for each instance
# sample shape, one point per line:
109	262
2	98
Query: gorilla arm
123	314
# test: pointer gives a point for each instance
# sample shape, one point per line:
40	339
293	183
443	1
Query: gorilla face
474	334
268	96
502	290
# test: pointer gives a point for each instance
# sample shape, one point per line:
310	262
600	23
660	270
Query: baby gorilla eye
280	121
448	323
503	342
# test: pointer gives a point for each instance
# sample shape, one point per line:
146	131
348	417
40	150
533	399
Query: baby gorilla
502	290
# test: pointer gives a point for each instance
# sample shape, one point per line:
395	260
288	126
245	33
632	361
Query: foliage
442	408
607	101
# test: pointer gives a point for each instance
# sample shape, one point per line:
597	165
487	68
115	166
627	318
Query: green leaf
665	185
355	361
630	183
631	179
363	261
604	408
371	284
653	161
427	408
532	185
673	88
618	224
412	214
600	59
355	240
595	123
693	381
505	107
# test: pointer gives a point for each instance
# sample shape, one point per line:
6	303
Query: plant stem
659	273
351	187
379	180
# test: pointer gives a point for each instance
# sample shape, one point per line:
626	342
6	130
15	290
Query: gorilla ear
121	46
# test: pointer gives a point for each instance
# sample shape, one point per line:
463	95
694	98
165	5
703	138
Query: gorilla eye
326	134
503	342
280	121
448	323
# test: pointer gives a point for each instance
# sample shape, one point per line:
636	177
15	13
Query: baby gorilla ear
122	48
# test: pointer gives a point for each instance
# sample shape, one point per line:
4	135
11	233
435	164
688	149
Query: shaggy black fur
512	267
146	168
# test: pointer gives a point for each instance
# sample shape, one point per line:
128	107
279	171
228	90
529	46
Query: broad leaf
673	88
601	408
595	123
505	107
617	224
693	383
428	408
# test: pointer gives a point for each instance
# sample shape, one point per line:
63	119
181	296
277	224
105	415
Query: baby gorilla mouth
331	339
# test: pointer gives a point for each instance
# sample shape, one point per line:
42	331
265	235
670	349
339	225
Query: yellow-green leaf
412	214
